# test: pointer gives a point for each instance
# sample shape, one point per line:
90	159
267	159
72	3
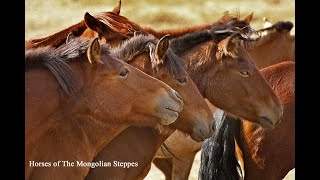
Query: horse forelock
139	44
265	35
229	47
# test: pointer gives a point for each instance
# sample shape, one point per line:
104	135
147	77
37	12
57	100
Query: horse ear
223	47
94	24
226	16
116	9
247	18
162	47
266	22
70	37
93	52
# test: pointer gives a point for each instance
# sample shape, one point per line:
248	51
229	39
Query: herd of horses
107	89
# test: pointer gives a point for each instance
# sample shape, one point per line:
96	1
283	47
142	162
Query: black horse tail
218	160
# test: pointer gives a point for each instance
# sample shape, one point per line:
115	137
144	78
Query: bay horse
267	154
73	100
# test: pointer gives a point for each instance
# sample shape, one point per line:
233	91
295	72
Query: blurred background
47	17
50	16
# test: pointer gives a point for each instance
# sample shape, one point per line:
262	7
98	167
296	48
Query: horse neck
40	84
144	143
264	149
71	134
174	33
45	87
58	38
265	51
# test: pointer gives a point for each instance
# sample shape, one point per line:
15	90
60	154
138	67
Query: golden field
46	17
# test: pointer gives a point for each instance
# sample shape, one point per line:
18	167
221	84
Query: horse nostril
278	122
213	127
178	95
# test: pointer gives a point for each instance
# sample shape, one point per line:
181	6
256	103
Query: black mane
190	40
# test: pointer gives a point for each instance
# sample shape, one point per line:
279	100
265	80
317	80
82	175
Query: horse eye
124	73
244	73
182	80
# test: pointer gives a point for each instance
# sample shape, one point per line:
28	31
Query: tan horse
72	100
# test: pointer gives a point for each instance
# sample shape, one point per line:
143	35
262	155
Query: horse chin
168	116
198	137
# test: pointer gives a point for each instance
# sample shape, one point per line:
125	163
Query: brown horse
72	100
267	154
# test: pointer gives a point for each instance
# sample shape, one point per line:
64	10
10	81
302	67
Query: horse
84	107
267	154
